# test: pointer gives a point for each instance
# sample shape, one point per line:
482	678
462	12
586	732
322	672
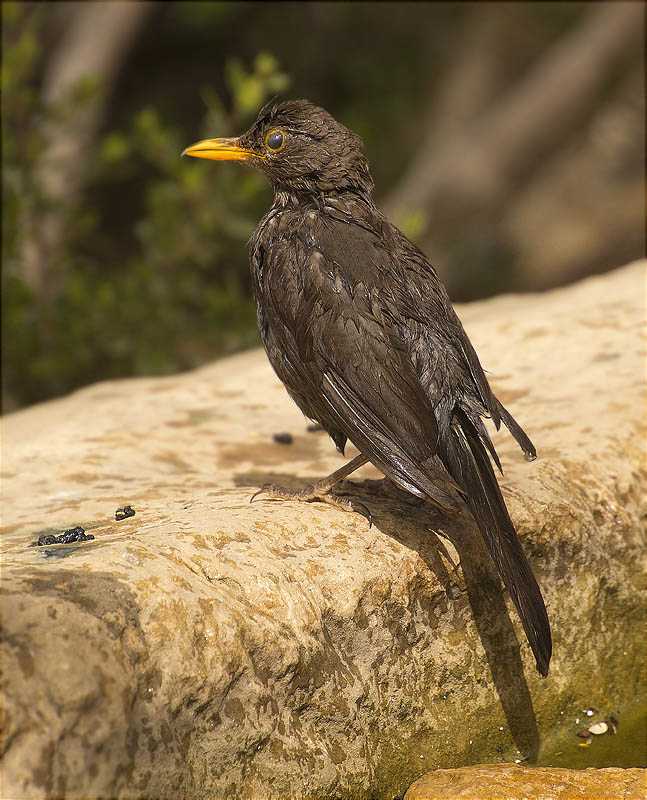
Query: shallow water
626	748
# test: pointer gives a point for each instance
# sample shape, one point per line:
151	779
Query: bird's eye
275	140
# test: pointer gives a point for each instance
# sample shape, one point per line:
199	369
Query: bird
359	328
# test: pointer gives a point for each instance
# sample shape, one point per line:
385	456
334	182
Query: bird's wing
479	397
350	337
370	388
343	359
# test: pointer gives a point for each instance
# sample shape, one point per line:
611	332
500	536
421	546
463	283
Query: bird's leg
321	490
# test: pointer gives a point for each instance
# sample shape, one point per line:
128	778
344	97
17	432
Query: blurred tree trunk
586	217
476	163
95	39
471	79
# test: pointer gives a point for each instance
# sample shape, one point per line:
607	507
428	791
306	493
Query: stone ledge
518	783
209	647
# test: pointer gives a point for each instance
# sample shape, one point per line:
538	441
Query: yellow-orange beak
221	150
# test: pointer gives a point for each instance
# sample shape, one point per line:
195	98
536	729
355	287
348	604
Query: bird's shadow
391	507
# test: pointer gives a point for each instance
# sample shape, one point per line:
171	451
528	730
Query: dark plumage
360	330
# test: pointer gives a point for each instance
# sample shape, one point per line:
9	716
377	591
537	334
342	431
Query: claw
259	491
365	512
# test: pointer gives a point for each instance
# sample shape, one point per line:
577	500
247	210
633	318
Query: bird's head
299	147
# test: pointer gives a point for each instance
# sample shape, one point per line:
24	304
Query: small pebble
124	513
77	534
283	438
131	558
43	540
599	728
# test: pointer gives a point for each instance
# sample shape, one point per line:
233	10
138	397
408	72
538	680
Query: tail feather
468	463
484	436
517	431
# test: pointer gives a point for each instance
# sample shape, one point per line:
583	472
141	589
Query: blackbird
359	328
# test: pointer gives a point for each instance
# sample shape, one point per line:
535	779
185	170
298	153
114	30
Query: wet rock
215	648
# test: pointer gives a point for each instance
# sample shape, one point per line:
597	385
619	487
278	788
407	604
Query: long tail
467	461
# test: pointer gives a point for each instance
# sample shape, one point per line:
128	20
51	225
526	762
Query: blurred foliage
149	274
170	299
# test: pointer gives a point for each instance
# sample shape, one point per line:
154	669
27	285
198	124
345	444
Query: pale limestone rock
209	647
540	783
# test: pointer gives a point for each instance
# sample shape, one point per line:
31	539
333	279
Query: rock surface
209	647
518	783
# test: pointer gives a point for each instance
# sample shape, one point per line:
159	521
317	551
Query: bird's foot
314	493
